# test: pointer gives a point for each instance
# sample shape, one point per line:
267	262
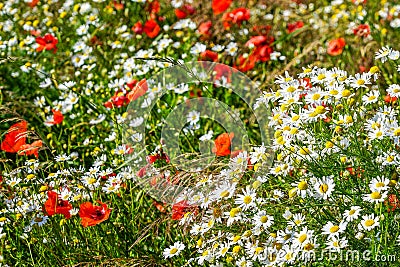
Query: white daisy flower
173	250
379	184
324	187
368	222
332	229
352	214
375	196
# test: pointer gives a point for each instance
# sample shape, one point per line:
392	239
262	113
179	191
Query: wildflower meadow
199	133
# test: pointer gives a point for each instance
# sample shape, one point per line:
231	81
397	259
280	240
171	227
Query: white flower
371	97
383	53
247	199
231	49
324	187
368	222
379	184
198	48
193	117
207	136
173	250
263	219
375	196
394	90
334	229
352	214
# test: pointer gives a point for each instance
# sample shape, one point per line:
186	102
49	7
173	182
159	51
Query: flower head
92	215
335	47
48	42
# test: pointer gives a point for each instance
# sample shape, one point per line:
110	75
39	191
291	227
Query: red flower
151	28
153	7
223	144
246	64
219	6
57	118
237	16
137	28
208	55
180	208
390	99
362	30
117	100
48	42
15	137
139	90
15	141
223	71
205	29
31	149
392	202
335	47
33	3
262	51
92	215
184	11
55	205
294	26
118	6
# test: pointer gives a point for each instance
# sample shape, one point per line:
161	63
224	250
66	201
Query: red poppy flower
33	3
15	137
263	49
92	215
335	47
237	16
117	100
180	208
291	27
246	64
223	144
152	158
151	28
57	118
95	41
390	99
362	30
132	84
219	6
137	28
48	42
139	90
31	149
55	205
183	12
15	141
223	71
153	7
256	40
118	6
205	29
263	53
208	55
